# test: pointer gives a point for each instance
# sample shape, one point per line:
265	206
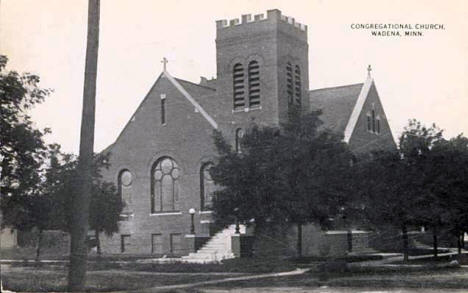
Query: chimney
203	81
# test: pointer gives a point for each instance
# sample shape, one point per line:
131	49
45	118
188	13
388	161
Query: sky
423	77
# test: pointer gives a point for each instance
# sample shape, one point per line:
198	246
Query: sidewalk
243	278
386	262
389	258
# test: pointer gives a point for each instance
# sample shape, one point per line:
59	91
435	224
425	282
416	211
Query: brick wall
186	138
362	140
272	41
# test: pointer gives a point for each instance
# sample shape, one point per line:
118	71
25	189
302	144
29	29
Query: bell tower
262	67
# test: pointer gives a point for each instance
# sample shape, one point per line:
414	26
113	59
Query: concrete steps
216	249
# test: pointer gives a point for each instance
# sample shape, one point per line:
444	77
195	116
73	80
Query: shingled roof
195	88
336	103
204	95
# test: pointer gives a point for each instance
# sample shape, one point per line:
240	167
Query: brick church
161	158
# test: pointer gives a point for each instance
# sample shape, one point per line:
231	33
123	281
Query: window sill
166	213
247	109
373	132
205	212
206	221
125	217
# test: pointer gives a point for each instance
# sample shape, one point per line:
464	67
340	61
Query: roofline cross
164	62
369	69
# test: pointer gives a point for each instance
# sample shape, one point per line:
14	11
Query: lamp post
192	225
349	232
236	213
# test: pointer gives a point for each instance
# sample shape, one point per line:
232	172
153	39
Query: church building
161	158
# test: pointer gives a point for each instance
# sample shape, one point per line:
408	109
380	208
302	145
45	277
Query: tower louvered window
238	86
254	84
289	83
297	85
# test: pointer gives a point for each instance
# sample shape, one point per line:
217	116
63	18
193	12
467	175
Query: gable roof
353	119
188	90
337	104
188	96
205	95
196	89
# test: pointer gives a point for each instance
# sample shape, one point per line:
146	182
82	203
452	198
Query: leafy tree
105	209
29	212
22	149
448	182
387	187
40	209
58	175
424	183
22	152
418	148
293	174
394	185
105	202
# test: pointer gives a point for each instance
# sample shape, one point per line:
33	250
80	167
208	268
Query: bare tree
81	198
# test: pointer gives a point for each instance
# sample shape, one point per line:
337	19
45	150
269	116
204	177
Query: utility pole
1	219
1	222
81	195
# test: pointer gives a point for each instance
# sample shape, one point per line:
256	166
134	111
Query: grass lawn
426	278
414	251
29	253
53	277
108	275
32	279
116	272
462	259
239	265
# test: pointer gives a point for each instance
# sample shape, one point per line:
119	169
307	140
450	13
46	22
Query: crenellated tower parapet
262	64
272	16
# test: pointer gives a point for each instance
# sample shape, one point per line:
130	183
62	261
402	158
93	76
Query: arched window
254	84
165	185
373	121
378	124
369	123
239	135
297	84
238	86
125	190
206	187
289	83
163	109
